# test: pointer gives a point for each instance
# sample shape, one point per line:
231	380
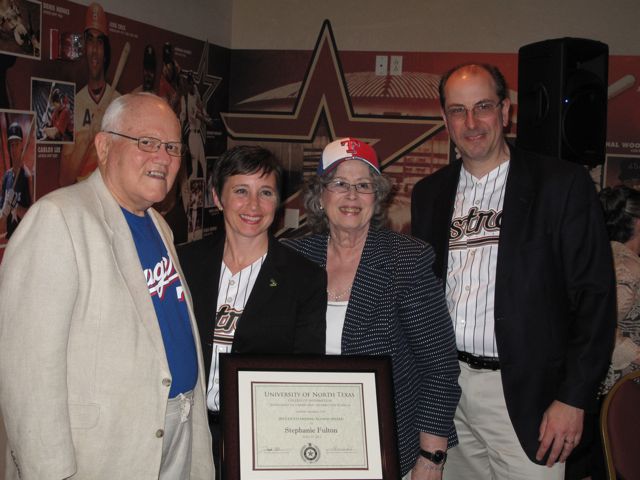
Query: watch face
438	456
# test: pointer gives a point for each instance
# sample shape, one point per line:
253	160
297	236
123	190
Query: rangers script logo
161	276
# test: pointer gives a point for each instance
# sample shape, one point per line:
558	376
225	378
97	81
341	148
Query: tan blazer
83	371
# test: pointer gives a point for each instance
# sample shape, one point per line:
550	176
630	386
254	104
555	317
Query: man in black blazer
523	253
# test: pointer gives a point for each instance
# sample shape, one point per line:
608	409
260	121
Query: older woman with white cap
383	299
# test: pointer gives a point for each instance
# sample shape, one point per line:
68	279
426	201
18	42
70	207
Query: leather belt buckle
479	363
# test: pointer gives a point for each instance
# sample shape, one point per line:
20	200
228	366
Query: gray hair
118	107
621	206
316	216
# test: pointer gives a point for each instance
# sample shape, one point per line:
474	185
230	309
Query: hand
9	196
12	195
50	132
18	33
6	209
560	430
425	470
72	157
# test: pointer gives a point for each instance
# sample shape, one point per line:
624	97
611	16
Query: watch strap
438	457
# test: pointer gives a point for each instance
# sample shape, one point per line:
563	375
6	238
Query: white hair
117	108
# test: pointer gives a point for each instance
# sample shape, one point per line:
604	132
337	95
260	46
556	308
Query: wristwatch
438	457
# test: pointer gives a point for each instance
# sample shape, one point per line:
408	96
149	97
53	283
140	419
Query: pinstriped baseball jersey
473	256
233	294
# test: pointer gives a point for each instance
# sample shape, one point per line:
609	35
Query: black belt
479	363
214	417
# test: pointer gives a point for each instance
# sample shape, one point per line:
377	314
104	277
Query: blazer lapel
369	276
443	211
126	256
519	195
212	265
266	284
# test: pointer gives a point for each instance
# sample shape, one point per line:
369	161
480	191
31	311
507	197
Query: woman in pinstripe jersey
383	299
251	295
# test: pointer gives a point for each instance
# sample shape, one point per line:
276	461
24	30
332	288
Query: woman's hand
426	470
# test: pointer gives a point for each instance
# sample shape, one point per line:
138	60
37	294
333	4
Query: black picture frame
258	365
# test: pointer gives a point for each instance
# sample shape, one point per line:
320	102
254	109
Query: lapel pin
273	283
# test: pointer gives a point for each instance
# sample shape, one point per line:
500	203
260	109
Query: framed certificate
307	418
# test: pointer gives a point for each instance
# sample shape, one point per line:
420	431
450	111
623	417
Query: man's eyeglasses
479	110
340	186
151	145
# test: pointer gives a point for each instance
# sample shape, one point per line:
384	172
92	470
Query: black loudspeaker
562	99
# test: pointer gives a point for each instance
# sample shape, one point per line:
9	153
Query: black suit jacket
555	290
286	310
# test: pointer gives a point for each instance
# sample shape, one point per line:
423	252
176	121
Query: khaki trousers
489	448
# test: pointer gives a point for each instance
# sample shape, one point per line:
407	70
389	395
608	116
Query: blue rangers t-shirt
167	293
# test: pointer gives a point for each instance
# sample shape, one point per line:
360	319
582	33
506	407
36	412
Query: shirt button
166	382
232	282
473	252
467	288
229	299
477	202
160	433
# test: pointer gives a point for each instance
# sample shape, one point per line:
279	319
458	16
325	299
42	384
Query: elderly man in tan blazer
100	363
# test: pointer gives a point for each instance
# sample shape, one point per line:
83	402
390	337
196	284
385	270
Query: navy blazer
555	289
286	310
397	308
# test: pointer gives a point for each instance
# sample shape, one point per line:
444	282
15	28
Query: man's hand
51	132
560	430
72	158
9	197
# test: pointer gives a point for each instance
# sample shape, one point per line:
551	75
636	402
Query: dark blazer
555	290
285	313
397	308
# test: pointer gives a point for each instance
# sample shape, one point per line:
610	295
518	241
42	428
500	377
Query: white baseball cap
347	149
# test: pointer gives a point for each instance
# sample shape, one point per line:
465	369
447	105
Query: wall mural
303	100
61	64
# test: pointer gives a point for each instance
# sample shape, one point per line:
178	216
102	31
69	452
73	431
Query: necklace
337	296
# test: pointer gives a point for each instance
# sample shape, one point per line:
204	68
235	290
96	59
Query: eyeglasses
150	144
340	186
479	110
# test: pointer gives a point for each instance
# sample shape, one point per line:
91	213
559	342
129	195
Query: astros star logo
324	95
203	77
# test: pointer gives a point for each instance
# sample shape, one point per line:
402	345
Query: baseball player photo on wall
20	27
17	149
53	103
90	56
